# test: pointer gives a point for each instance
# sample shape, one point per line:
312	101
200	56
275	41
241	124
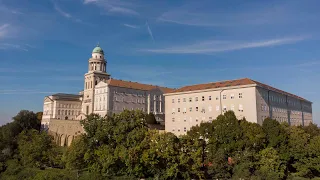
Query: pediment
47	99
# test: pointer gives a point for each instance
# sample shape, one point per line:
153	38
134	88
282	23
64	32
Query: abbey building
179	109
104	95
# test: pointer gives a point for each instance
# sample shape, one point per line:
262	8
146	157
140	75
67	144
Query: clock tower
96	72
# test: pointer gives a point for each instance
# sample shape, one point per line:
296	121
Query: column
148	103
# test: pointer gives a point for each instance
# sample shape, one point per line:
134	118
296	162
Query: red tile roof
230	83
136	85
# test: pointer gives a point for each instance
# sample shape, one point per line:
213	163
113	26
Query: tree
39	116
162	156
74	156
270	166
35	148
312	129
27	120
275	133
151	119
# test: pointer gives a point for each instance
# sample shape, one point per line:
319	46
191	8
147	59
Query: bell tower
97	67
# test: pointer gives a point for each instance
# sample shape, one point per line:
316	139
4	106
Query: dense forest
122	147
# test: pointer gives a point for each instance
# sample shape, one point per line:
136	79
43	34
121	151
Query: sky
45	45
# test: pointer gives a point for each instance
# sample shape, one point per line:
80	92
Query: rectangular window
197	109
190	99
240	95
232	107
202	98
185	129
196	119
232	96
240	108
224	108
196	99
179	100
172	100
217	98
184	99
185	119
210	98
190	109
224	96
172	119
173	129
178	109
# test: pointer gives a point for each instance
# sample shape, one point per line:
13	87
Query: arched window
69	112
66	112
72	112
58	112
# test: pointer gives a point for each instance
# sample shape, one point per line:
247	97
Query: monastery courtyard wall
64	131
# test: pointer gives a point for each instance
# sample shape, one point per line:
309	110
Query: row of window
126	93
209	98
68	112
203	110
184	129
69	106
100	107
100	90
190	119
99	99
142	101
280	110
124	108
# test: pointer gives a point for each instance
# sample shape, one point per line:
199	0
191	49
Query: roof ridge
216	82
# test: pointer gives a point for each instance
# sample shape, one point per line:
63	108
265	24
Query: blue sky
45	45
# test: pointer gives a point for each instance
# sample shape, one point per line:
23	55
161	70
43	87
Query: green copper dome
98	49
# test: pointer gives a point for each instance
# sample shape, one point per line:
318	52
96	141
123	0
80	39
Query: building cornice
211	89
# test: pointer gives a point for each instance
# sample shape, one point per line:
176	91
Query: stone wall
64	131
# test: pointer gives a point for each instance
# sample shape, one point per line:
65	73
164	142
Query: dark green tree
151	119
27	120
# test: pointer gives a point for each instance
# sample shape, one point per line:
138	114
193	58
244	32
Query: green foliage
27	120
122	147
151	119
36	149
75	153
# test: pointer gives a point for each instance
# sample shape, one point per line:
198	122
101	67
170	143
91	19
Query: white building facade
104	95
190	105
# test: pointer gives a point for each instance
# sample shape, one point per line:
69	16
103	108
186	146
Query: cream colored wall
282	108
180	122
73	109
48	109
125	98
101	99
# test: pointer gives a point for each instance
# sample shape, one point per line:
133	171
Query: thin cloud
7	46
149	31
123	11
221	46
209	15
115	6
131	26
4	30
61	12
27	92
